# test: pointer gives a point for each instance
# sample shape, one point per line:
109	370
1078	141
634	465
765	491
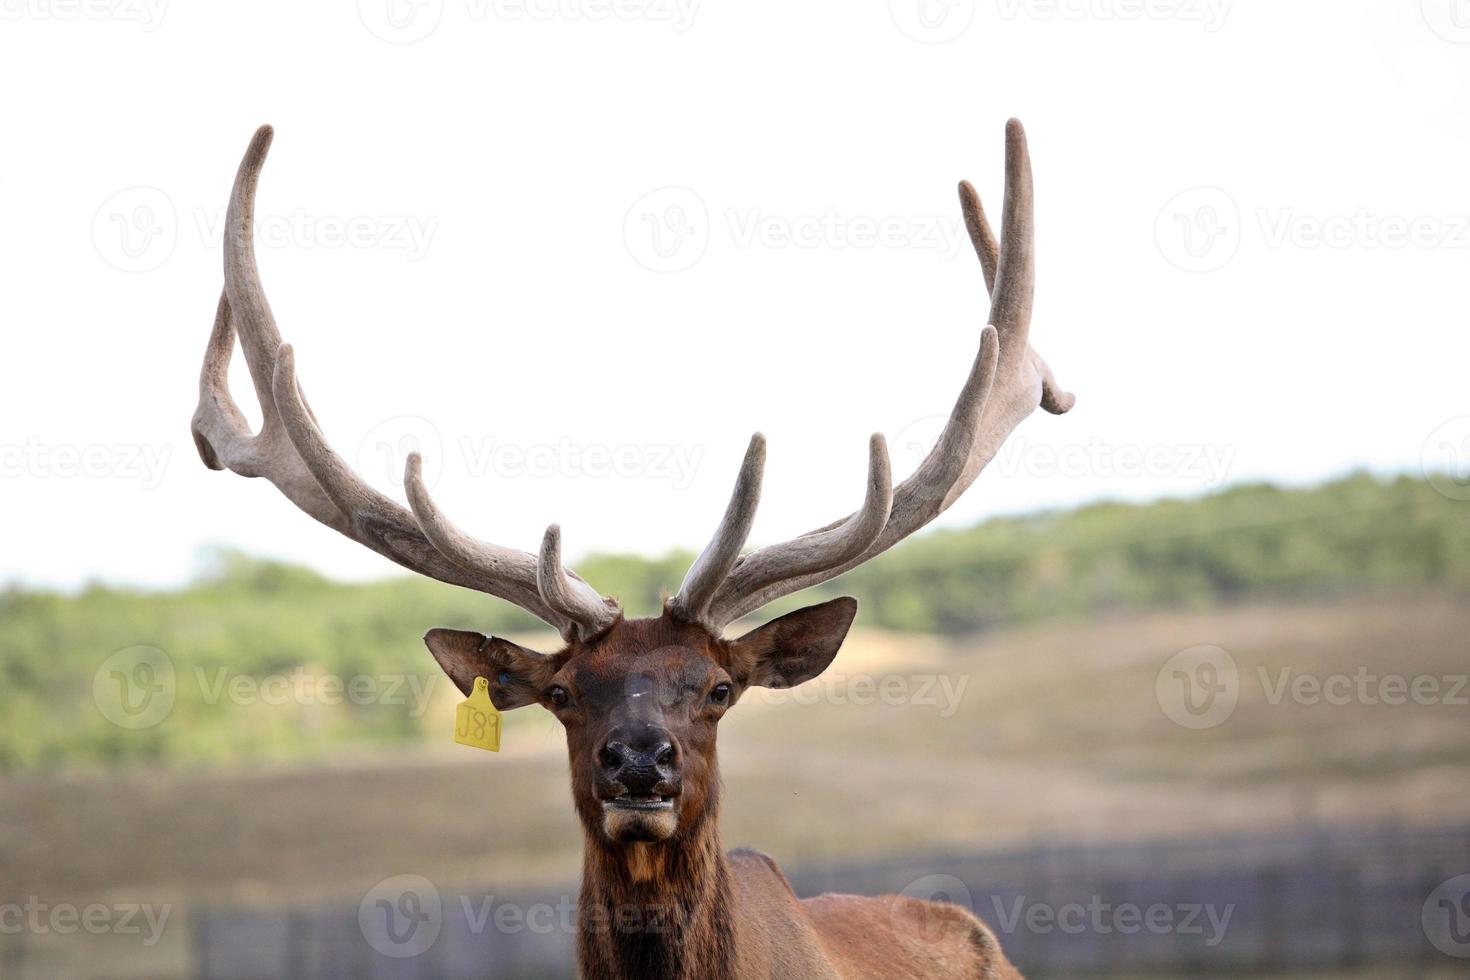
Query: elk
641	699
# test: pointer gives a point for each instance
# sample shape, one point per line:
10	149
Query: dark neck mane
657	911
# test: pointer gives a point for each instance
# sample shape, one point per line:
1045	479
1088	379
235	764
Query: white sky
497	176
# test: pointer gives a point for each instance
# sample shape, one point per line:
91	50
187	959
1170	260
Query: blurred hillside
264	626
1048	737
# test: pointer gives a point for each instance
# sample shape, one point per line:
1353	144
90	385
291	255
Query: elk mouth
630	819
639	803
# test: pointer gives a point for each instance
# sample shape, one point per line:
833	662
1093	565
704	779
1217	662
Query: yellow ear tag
477	720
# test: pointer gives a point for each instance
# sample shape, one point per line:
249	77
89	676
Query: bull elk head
641	699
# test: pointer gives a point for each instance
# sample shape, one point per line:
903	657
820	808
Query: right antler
291	452
1007	382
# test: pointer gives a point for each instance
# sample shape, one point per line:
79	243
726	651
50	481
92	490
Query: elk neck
661	909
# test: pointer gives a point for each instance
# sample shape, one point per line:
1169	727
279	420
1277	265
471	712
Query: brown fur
675	906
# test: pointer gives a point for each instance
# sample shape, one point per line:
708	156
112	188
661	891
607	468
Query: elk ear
794	648
517	676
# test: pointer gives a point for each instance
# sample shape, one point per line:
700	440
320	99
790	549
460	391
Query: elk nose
644	764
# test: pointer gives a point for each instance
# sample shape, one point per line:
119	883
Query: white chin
625	824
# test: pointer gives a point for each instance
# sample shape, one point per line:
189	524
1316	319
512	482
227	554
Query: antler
291	452
1006	383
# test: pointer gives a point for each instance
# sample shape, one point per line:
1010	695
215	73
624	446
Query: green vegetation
274	627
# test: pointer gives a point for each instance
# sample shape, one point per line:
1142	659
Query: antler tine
1007	381
981	236
714	563
1015	273
292	453
818	550
569	595
511	573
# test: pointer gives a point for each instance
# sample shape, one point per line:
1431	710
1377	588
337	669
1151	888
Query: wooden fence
1321	899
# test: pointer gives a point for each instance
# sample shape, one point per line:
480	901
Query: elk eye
720	694
559	696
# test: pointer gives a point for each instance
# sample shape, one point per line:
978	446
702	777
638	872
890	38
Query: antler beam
291	452
1007	381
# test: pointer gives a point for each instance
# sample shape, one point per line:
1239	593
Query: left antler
1007	382
291	452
